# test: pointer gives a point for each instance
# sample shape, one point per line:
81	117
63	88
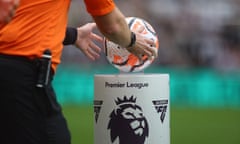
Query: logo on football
121	58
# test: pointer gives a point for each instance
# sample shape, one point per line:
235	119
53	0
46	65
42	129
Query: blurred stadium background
199	48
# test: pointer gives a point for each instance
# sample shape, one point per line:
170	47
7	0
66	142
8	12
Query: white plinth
131	109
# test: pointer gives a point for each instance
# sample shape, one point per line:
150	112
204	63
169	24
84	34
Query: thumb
92	25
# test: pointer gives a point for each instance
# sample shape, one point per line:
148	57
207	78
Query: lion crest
127	122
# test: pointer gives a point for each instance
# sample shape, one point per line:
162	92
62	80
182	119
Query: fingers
152	50
92	55
148	51
87	41
92	52
89	55
95	47
150	42
97	37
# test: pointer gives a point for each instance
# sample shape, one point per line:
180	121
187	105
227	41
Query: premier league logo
127	122
131	109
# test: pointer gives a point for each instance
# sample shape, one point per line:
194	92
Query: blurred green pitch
188	125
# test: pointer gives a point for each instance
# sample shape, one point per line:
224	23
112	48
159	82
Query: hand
143	46
86	41
7	10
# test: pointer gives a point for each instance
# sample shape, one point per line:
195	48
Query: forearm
114	27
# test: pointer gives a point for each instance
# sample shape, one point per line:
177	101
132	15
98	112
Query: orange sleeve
99	7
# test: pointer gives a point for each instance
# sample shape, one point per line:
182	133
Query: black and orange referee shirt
41	24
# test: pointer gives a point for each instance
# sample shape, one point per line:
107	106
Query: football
121	58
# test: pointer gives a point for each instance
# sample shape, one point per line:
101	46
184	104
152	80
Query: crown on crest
125	100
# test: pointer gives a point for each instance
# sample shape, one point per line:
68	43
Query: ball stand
131	108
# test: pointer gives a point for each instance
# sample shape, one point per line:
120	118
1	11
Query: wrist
70	36
133	40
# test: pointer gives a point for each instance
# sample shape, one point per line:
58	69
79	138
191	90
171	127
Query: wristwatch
133	40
